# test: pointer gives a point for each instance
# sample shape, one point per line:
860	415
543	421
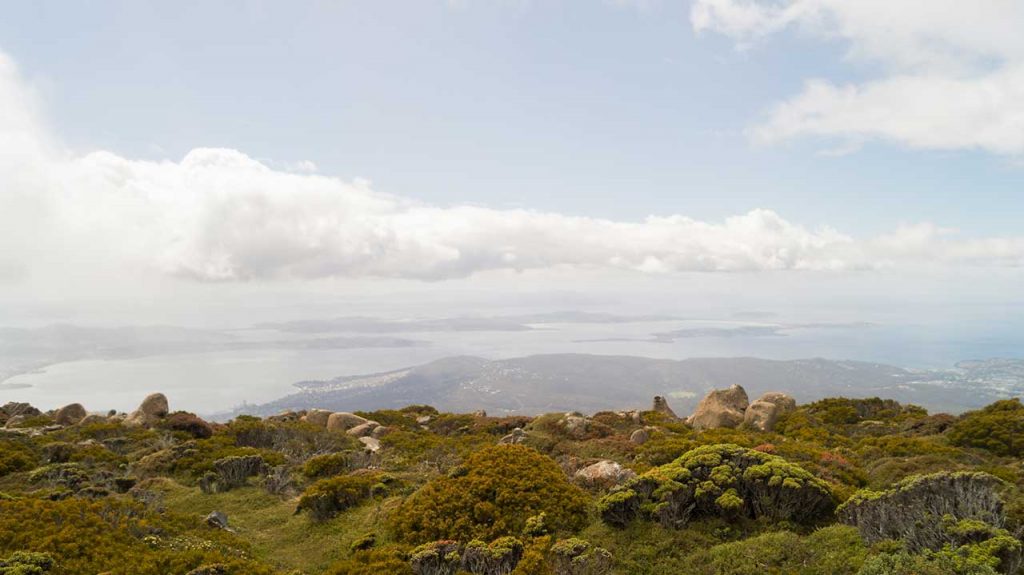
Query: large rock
70	414
761	415
720	408
604	473
363	429
661	406
150	411
343	421
13	408
318	417
784	402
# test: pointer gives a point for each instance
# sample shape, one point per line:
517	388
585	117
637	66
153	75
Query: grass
269	524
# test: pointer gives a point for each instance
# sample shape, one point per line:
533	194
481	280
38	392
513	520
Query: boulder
479	413
150	411
639	437
343	421
92	418
720	408
286	416
604	473
70	414
424	419
575	424
513	438
761	415
380	431
784	402
217	520
372	444
317	417
363	429
661	406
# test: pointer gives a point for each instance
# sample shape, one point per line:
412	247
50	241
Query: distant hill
589	383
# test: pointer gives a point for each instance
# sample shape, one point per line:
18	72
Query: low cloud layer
947	75
218	215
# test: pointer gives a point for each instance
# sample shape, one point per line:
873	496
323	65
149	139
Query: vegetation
841	486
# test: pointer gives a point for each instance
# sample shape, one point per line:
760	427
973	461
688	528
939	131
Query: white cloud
950	74
219	215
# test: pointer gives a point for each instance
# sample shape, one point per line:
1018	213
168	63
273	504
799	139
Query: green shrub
491	495
998	428
328	497
328	464
26	563
720	481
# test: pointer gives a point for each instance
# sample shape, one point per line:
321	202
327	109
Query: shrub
998	428
917	511
492	495
373	562
328	464
476	557
578	557
188	423
721	481
15	456
26	563
328	497
231	472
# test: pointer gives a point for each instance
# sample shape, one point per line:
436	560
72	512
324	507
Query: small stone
217	520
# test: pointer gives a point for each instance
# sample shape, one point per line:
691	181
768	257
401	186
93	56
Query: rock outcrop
730	408
317	417
761	415
13	408
150	411
70	414
515	437
720	408
661	406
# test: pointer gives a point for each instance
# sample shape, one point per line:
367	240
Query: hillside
563	382
833	487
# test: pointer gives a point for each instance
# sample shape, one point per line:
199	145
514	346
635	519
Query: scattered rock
631	415
604	473
761	415
218	520
720	408
343	421
70	414
153	409
639	437
661	406
517	436
372	444
317	417
479	413
363	429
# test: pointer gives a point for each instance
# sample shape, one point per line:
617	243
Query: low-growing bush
720	481
328	497
492	494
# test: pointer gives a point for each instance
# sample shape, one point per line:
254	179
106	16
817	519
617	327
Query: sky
202	162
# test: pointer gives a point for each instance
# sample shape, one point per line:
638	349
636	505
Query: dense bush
491	495
329	464
24	563
187	423
999	428
15	456
834	550
328	497
578	557
500	557
720	481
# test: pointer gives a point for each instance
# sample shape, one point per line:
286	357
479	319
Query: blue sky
601	109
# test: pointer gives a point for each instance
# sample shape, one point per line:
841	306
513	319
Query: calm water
216	381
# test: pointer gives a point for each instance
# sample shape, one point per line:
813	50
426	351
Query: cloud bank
220	216
948	75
